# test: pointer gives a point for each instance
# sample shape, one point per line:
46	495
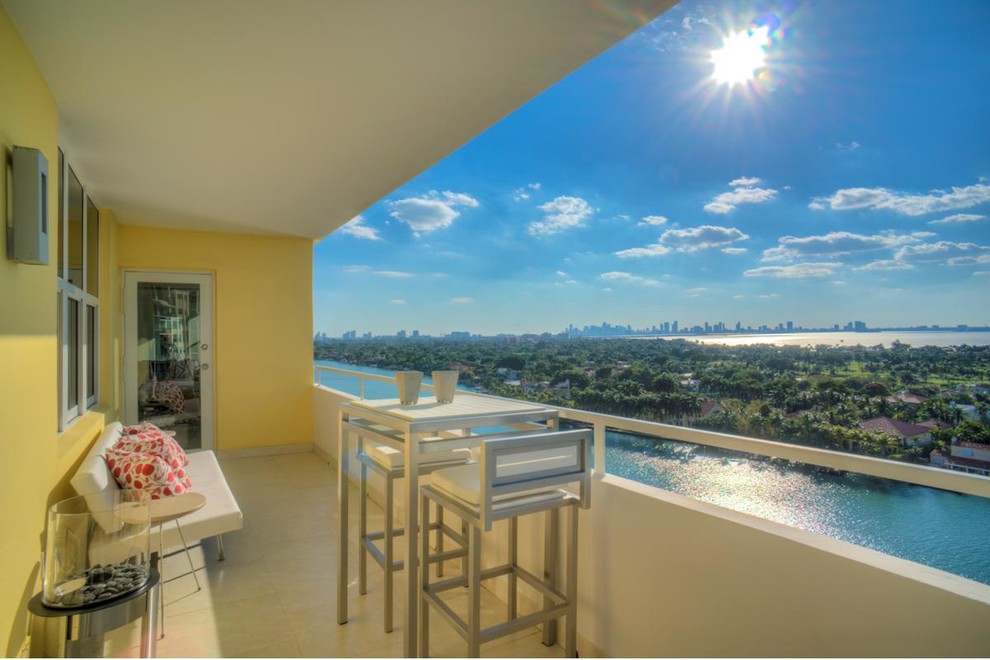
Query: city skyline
831	185
664	328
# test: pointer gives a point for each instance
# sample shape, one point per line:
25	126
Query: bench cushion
221	513
394	459
464	483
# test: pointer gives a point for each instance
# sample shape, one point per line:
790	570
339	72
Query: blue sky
849	180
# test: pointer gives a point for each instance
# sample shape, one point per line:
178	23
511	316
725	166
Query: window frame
86	354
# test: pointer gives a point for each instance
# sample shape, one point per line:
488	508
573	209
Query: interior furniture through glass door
168	348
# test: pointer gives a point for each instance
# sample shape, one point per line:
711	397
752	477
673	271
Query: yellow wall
264	322
34	459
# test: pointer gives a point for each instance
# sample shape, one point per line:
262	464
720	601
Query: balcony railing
875	467
665	574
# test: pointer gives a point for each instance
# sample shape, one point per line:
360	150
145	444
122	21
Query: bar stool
389	463
516	476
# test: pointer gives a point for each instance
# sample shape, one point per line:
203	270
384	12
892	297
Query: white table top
463	406
170	508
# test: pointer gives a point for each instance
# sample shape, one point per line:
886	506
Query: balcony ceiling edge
238	115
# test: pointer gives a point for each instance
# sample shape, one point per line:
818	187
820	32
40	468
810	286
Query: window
78	296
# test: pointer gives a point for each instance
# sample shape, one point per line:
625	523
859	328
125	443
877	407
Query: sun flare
740	56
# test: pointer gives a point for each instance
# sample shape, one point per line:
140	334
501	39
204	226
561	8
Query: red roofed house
909	434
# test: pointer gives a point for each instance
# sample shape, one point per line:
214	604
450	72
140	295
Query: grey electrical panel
29	243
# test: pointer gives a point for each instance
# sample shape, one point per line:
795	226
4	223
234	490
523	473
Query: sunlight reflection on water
940	529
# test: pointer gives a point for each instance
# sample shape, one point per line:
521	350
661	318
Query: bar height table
412	423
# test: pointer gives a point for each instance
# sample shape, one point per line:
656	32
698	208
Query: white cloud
699	289
562	273
981	273
768	295
460	199
909	204
797	271
838	283
381	273
562	213
957	218
735	250
619	276
979	260
570	281
738	297
745	181
356	228
673	32
655	250
886	264
461	301
836	243
431	212
520	194
397	301
653	220
940	252
701	238
852	146
743	193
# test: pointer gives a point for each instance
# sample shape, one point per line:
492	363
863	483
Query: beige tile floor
275	594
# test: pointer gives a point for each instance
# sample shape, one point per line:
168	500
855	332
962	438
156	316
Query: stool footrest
523	622
447	554
432	592
379	556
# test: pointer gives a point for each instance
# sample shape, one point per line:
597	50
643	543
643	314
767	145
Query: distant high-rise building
674	327
859	326
401	334
738	326
790	326
415	333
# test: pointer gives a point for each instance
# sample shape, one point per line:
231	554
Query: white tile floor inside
275	594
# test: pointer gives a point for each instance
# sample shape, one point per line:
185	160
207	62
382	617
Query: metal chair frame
386	558
555	602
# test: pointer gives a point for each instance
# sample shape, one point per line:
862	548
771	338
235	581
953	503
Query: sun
740	56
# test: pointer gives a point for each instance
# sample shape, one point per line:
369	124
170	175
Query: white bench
219	515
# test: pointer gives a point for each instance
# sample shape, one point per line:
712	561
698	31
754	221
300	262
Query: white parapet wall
665	575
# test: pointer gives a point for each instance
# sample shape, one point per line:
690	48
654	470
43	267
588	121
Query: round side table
79	632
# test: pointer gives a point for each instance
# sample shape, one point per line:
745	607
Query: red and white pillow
147	458
145	472
149	439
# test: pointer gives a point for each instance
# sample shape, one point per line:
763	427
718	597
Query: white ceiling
292	117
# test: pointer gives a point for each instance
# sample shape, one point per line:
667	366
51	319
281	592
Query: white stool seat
464	483
395	459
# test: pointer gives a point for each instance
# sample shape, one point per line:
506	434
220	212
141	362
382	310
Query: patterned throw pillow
145	427
134	471
149	439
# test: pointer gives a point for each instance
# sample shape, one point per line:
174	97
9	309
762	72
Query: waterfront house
909	435
217	141
969	457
